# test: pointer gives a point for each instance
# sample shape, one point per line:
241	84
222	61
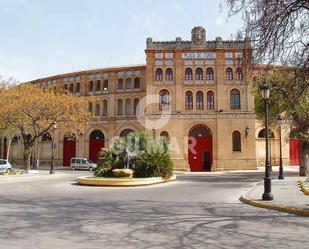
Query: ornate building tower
198	36
202	90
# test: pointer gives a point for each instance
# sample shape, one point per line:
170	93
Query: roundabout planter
122	181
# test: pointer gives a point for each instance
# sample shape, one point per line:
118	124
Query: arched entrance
69	148
126	132
200	149
96	143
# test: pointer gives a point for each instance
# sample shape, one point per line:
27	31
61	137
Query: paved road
196	211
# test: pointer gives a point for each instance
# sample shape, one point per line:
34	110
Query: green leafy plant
150	157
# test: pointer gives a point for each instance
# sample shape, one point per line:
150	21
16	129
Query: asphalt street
196	211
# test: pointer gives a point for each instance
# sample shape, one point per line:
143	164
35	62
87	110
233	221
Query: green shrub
154	164
106	164
153	159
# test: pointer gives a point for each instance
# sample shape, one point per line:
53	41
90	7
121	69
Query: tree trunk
304	158
27	157
8	148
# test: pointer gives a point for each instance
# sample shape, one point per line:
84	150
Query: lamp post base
51	172
280	177
267	196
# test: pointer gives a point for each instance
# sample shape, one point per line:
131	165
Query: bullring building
200	86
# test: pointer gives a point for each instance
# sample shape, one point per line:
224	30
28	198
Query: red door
294	152
95	147
200	157
69	151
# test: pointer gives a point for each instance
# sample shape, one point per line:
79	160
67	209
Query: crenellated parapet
198	41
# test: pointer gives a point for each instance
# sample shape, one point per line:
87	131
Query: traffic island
287	197
280	208
121	181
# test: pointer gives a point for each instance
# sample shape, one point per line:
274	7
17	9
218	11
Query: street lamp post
52	155
280	176
267	195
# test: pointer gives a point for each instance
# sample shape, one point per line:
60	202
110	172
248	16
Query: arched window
199	74
169	74
98	86
210	100
235	99
239	75
136	107
97	109
262	133
105	85
69	137
126	132
77	87
128	107
46	137
229	73
90	87
164	101
71	88
164	134
120	84
188	74
128	83
159	74
96	135
90	108
199	100
189	100
236	137
137	83
104	109
200	131
65	87
209	74
119	107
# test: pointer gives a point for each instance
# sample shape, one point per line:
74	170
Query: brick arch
126	126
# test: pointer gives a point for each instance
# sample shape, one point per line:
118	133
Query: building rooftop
198	41
94	70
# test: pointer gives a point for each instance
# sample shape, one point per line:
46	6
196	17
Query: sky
40	38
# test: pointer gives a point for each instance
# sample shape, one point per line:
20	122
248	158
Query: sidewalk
287	196
33	174
43	167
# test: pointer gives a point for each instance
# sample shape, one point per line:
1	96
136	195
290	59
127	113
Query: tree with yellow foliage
32	110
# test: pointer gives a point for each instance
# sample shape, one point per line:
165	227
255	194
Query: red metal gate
294	152
95	147
201	155
69	151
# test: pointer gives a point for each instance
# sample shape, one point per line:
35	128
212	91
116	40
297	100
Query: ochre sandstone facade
197	95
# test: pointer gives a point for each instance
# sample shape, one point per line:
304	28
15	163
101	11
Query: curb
267	205
261	204
303	187
29	177
86	181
